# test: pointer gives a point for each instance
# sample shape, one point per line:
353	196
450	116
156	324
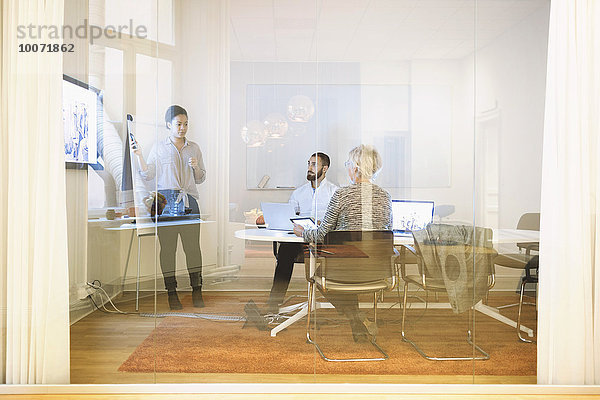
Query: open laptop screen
277	215
411	215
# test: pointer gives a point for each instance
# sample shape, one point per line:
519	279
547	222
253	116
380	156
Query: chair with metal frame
355	262
457	260
525	261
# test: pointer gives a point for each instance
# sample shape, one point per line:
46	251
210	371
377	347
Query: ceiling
360	30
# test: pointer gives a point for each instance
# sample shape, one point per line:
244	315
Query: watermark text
84	31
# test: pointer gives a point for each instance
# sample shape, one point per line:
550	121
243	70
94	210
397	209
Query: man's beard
312	177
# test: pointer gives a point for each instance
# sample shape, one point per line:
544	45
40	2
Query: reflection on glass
254	134
456	260
275	125
300	108
412	97
128	15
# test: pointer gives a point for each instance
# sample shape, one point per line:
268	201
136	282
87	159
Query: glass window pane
106	74
509	97
155	15
153	95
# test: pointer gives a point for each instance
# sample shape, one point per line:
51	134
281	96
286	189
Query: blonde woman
360	206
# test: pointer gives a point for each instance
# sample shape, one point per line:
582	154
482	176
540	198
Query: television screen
80	113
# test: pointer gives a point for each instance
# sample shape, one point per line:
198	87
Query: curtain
569	294
33	235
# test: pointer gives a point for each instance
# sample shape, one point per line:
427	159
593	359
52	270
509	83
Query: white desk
515	236
500	236
143	226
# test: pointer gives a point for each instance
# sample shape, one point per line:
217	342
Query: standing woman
177	165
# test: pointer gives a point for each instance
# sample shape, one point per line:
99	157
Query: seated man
309	200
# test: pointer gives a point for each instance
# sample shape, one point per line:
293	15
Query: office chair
446	255
525	261
351	262
443	210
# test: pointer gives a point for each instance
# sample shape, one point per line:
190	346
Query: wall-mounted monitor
82	121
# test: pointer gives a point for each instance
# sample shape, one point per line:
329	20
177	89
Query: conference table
500	236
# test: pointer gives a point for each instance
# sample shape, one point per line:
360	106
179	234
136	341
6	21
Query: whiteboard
410	125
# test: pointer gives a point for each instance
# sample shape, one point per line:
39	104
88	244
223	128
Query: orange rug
187	345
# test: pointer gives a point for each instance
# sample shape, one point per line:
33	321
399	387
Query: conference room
305	192
444	109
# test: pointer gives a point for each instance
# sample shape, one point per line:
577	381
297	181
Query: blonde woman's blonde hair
367	159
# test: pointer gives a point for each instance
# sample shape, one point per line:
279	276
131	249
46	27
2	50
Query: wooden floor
101	342
298	396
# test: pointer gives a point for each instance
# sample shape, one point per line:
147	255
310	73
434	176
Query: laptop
277	215
410	215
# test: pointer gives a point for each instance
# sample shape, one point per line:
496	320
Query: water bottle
172	202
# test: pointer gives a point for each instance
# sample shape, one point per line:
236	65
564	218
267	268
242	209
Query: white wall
510	85
511	73
450	74
445	73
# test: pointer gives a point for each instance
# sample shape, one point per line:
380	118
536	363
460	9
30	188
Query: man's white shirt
313	203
